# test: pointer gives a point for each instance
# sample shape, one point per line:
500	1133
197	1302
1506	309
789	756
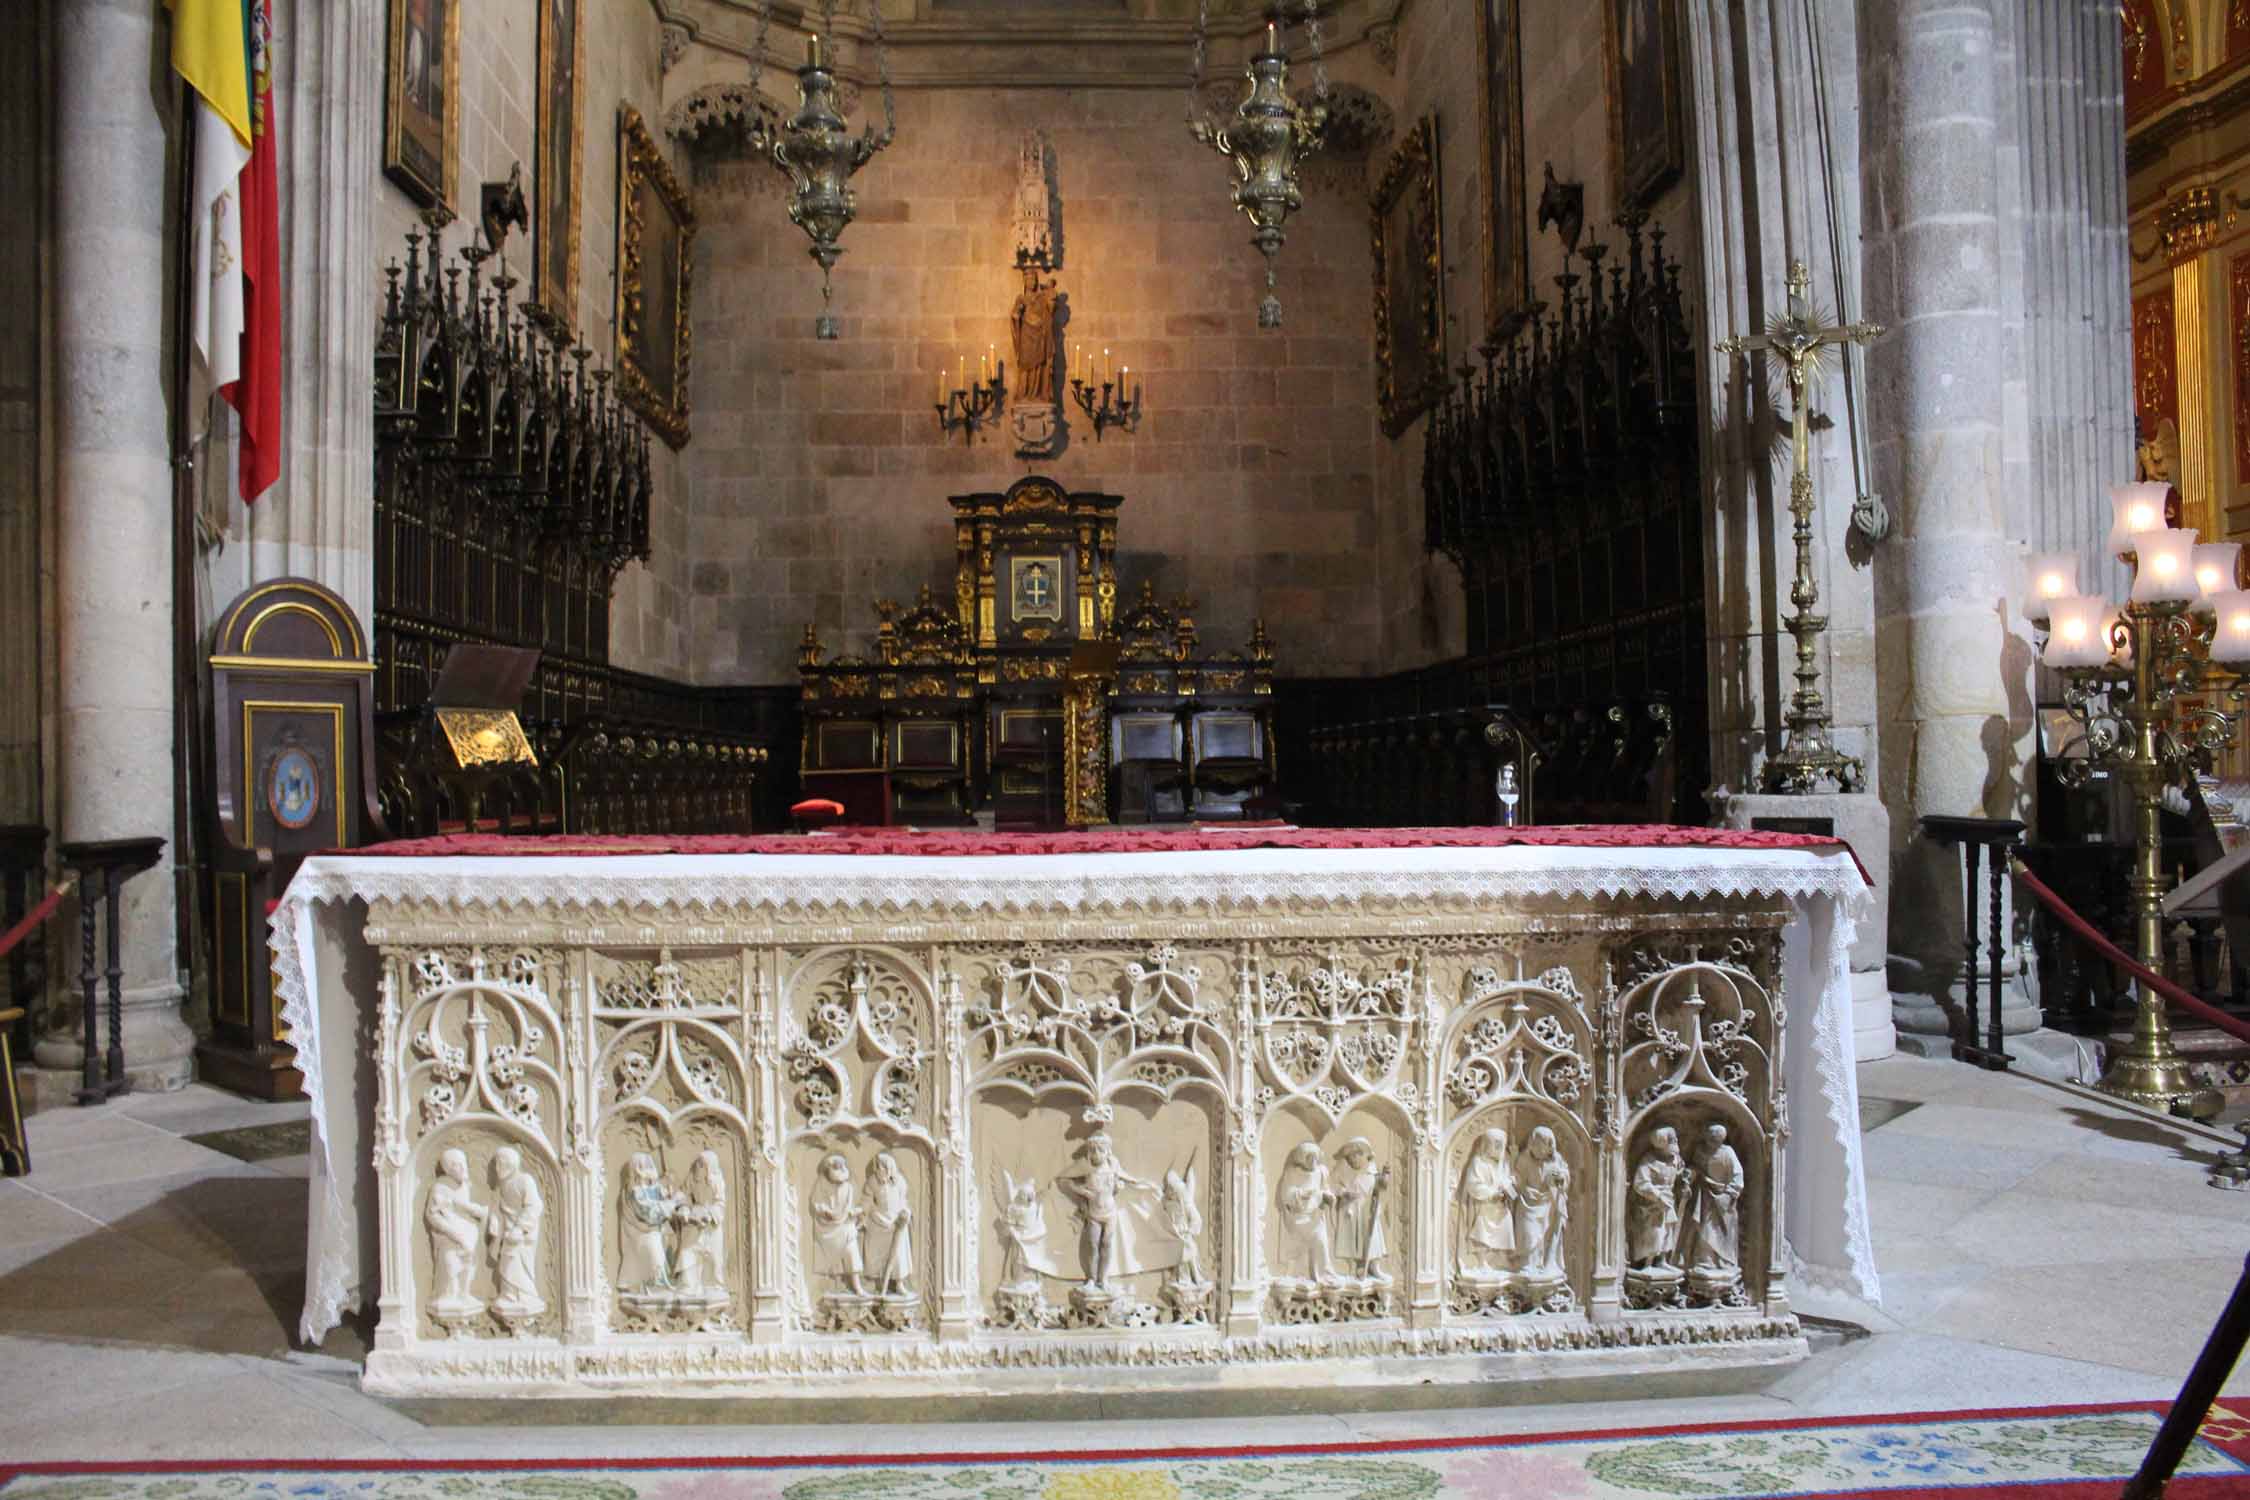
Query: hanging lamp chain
1319	64
758	67
1195	119
883	72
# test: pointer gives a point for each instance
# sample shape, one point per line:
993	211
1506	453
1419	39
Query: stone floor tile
299	1166
2022	1228
236	1415
1891	1153
2165	1187
1967	1126
28	1217
229	1114
233	1217
55	1132
152	1154
2150	1316
1927	1372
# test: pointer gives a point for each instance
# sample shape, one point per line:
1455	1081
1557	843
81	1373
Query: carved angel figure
1104	1235
890	1244
701	1264
1542	1203
517	1208
1022	1229
1301	1205
1185	1220
1652	1202
1715	1205
455	1225
1485	1206
1359	1185
836	1215
645	1204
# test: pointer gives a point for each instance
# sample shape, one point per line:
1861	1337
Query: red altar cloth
959	842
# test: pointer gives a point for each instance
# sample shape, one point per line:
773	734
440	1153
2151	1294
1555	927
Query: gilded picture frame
655	264
1409	280
422	99
1647	113
1507	242
560	151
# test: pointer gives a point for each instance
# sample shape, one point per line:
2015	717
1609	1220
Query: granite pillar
113	501
1954	666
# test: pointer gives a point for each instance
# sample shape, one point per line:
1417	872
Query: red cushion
816	807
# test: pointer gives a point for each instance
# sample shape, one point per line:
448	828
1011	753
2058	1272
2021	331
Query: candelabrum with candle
966	407
2145	680
1106	402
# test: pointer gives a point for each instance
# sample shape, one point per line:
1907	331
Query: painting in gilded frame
561	148
1647	119
1409	286
422	98
1507	254
655	255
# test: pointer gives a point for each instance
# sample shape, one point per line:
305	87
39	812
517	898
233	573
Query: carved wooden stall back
292	773
512	488
1563	479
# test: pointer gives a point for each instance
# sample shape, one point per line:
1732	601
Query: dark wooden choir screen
511	488
1562	477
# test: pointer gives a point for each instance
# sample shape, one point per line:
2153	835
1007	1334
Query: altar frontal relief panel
773	1146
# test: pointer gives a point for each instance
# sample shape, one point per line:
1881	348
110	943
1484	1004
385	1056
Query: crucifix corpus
1800	342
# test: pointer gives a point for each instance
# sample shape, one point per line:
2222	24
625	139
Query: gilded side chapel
1125	748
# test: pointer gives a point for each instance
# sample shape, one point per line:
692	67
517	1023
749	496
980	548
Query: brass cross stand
1798	340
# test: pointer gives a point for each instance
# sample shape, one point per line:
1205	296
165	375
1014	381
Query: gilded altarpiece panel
2156	385
2238	332
1022	1148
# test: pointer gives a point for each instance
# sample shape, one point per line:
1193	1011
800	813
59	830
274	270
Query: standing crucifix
1798	341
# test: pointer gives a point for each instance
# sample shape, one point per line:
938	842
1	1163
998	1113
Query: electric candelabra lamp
1106	402
967	406
2144	680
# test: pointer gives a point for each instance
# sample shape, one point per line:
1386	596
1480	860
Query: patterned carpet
2042	1454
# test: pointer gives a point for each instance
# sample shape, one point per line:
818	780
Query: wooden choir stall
1034	697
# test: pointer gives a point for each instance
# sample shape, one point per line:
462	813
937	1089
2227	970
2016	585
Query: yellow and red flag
256	396
210	50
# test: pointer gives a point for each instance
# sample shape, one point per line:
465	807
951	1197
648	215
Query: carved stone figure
1302	1203
836	1215
1542	1205
1485	1207
700	1267
517	1209
1714	1237
1653	1202
890	1242
1360	1185
645	1205
1022	1231
455	1225
1033	321
1185	1220
1105	1243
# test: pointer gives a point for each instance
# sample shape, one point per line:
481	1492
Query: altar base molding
750	1147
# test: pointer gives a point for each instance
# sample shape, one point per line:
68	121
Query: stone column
318	521
113	496
1953	673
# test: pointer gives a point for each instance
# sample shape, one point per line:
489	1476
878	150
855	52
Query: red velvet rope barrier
2120	959
39	913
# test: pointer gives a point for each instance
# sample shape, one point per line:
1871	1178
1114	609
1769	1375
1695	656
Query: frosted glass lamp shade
2230	641
2134	507
2053	575
2164	566
2215	564
2074	635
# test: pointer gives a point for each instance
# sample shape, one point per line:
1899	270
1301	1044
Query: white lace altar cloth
328	982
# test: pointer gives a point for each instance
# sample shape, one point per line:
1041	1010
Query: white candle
2164	570
2072	638
2134	507
2215	564
2231	641
2052	575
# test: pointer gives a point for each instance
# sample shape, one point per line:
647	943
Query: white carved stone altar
733	1124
